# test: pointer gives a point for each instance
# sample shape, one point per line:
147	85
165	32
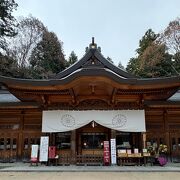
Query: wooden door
175	146
92	143
90	138
9	147
28	140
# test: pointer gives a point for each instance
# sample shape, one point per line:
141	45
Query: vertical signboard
52	152
34	153
106	153
113	151
43	157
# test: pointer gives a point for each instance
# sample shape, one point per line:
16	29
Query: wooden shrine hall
86	104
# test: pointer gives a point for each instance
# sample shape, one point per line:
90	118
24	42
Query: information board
113	151
106	153
52	152
44	144
34	153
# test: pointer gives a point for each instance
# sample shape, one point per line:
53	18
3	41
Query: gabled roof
93	59
92	65
91	77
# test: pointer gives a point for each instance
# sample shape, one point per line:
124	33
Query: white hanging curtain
121	120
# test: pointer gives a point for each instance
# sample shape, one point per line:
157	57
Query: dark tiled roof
93	59
93	64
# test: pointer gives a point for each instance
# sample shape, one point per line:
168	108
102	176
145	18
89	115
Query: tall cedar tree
47	57
152	60
134	63
72	59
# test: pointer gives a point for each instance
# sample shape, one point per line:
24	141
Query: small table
130	160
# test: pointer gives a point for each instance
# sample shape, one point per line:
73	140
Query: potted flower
151	150
162	150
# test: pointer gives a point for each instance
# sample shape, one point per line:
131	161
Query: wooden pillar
166	129
20	140
165	119
113	134
73	142
50	139
144	140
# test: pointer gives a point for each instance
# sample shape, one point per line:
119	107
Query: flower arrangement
151	150
162	149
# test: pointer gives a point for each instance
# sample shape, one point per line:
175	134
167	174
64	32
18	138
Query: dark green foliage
176	62
7	21
133	66
146	40
8	66
37	52
153	59
72	59
47	57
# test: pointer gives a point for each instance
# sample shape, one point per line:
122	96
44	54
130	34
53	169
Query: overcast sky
117	25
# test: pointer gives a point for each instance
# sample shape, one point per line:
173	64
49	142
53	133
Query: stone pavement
26	167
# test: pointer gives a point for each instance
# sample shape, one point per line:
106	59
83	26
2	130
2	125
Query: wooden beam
86	97
43	99
72	95
113	95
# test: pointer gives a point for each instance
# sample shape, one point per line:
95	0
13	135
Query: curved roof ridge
90	72
91	53
74	66
112	67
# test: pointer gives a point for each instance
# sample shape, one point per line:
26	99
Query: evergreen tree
72	59
47	57
133	66
152	60
8	66
146	41
7	21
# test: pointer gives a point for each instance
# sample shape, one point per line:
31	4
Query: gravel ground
90	175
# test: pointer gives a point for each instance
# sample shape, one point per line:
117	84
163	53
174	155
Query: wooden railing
8	156
80	160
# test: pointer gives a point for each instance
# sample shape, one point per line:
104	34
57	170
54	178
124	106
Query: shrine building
89	102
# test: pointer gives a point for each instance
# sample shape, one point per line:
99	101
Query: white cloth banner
121	120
